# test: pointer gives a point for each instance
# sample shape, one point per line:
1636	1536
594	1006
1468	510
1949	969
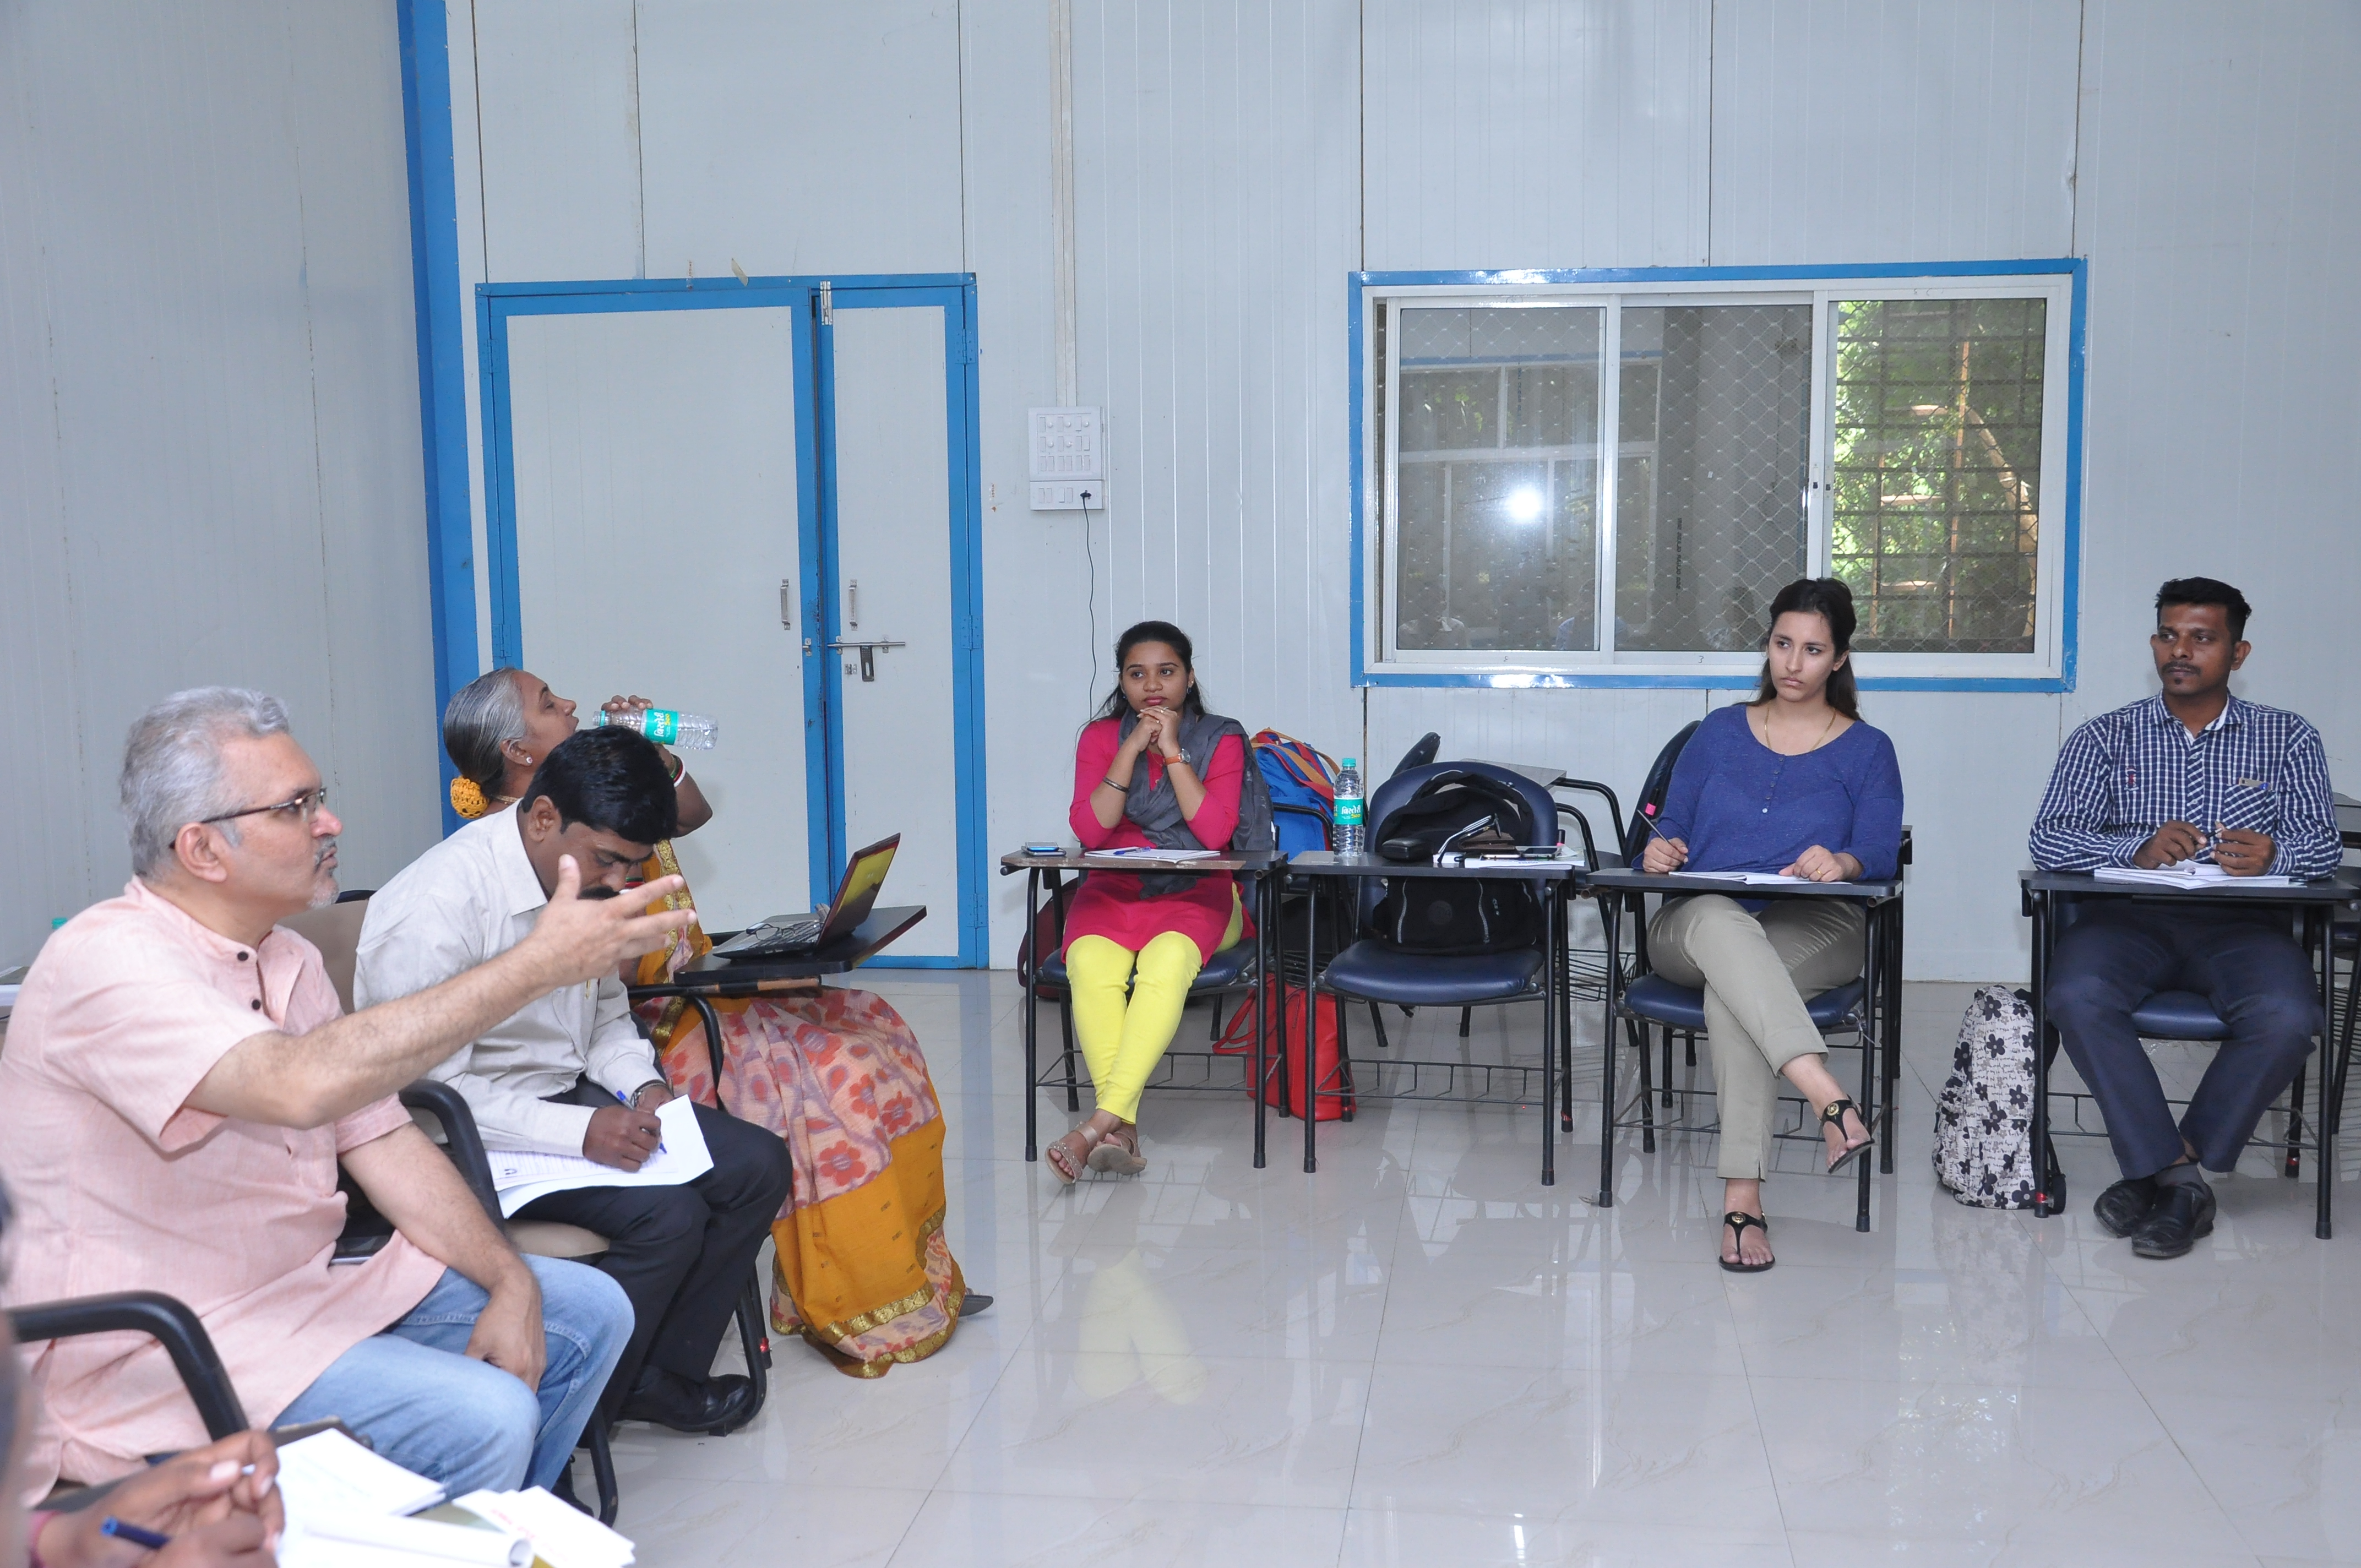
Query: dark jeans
2118	954
682	1254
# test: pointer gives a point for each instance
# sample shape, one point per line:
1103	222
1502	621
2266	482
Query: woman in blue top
1794	782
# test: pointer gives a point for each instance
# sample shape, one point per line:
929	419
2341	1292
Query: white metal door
655	527
892	546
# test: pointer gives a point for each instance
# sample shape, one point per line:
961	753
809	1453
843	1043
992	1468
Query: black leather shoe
976	1305
2124	1208
2184	1211
717	1406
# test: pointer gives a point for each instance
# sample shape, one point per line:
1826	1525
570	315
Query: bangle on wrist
1111	784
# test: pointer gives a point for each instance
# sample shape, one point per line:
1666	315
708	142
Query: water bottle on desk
1351	833
665	727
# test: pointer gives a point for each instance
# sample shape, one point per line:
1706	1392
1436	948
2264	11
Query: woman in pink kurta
1153	770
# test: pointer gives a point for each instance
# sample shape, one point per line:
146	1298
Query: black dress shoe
2124	1208
976	1305
717	1406
2184	1211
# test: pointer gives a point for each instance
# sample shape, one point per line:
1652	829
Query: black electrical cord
1090	555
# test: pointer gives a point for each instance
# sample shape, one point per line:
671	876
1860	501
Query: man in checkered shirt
2192	773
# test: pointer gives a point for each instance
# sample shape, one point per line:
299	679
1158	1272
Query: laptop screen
857	893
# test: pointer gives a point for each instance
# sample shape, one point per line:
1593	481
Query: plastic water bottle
666	727
1351	833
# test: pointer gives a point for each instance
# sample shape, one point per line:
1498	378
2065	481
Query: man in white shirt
570	1073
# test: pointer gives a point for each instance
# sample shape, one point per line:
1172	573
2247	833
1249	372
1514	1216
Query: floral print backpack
1983	1119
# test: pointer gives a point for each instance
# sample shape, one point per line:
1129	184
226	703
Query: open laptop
790	936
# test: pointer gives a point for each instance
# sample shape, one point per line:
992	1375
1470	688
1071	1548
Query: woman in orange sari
861	1269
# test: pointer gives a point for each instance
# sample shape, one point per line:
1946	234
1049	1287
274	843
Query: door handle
868	651
786	604
852	603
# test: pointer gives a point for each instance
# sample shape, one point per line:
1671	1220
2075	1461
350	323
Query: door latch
786	604
868	652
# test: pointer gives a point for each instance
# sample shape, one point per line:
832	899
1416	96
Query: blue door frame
814	436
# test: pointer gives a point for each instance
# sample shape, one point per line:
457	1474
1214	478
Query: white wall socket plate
1064	443
1067	496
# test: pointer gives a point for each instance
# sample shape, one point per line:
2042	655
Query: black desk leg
1309	1108
1871	941
2321	925
1566	1022
1553	934
1611	912
1889	1027
1032	1005
1264	943
2046	1201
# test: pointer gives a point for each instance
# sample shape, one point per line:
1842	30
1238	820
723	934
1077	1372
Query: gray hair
485	715
172	764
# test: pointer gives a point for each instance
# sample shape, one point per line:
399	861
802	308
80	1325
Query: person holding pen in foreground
2192	773
182	1090
1791	783
1154	768
568	1073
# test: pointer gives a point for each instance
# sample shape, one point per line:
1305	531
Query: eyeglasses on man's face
303	808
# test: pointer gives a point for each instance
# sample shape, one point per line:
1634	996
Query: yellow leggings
1123	1040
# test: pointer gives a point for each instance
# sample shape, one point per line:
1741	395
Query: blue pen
148	1538
626	1101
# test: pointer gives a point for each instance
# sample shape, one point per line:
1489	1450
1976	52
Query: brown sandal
1117	1153
1069	1154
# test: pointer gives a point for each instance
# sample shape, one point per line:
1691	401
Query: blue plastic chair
1368	970
1648	1000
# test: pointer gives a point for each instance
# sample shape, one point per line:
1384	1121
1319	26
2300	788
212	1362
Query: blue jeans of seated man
413	1392
2259	979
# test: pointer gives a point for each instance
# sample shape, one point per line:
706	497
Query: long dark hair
1171	636
1829	599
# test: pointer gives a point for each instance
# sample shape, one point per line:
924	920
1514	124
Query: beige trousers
1755	970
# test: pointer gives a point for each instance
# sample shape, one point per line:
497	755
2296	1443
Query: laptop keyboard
801	933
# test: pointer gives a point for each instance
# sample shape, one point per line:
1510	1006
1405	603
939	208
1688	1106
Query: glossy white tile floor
1422	1355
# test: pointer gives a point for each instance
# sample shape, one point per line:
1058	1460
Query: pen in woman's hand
145	1539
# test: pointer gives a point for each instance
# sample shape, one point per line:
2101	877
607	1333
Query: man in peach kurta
182	1090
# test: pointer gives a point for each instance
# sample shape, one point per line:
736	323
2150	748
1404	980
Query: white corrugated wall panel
557	112
1217	165
2221	212
1536	133
1893	130
207	228
801	139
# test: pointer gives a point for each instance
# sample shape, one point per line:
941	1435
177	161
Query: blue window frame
1524	518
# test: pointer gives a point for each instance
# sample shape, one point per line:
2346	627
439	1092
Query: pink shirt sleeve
370	1124
1093	754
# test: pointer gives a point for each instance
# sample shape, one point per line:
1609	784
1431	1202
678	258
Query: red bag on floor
1282	1076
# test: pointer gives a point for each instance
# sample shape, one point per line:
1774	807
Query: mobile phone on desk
1045	849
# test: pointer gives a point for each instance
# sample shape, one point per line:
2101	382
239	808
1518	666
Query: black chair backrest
1652	792
1397	791
168	1321
1420	755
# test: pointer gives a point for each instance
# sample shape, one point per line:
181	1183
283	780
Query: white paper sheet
520	1176
1152	853
1752	878
2189	873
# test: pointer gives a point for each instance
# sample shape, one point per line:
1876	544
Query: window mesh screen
1709	517
1938	471
1498	474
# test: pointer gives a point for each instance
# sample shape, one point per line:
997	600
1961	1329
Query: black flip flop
1739	1221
